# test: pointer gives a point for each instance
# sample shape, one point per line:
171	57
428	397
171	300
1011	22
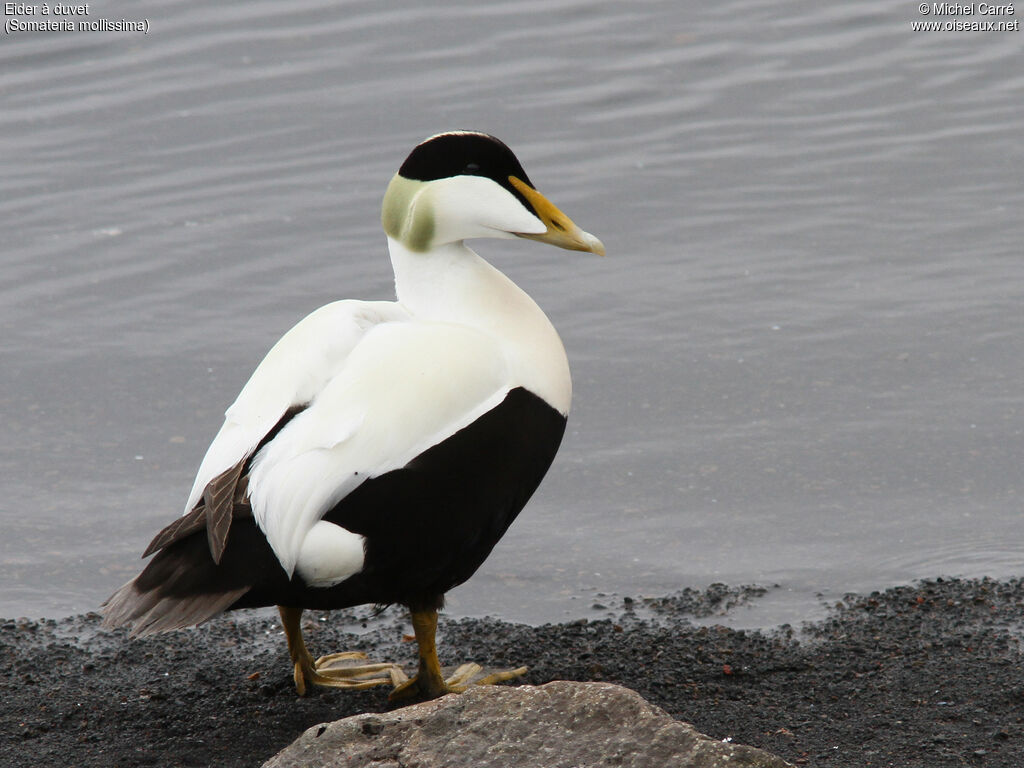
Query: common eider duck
381	449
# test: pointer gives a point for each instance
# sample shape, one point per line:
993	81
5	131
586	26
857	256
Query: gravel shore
927	675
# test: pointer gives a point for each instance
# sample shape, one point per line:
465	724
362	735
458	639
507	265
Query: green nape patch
407	215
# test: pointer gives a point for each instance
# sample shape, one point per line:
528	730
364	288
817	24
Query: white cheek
472	206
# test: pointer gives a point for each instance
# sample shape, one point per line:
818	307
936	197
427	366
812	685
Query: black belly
429	525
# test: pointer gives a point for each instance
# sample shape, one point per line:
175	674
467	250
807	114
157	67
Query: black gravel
929	675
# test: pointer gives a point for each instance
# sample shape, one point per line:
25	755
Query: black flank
428	526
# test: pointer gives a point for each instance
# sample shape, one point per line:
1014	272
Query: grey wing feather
214	512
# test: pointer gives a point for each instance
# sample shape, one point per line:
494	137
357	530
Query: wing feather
291	375
404	387
218	498
184	526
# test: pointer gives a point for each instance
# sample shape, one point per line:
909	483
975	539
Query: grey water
801	363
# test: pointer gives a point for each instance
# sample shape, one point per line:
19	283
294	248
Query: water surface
800	364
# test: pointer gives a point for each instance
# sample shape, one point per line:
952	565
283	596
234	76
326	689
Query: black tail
182	585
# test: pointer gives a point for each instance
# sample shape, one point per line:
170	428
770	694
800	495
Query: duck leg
429	682
337	670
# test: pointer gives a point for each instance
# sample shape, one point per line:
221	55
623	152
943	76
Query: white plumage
380	382
381	449
295	369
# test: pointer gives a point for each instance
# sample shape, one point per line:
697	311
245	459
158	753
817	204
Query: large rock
563	724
